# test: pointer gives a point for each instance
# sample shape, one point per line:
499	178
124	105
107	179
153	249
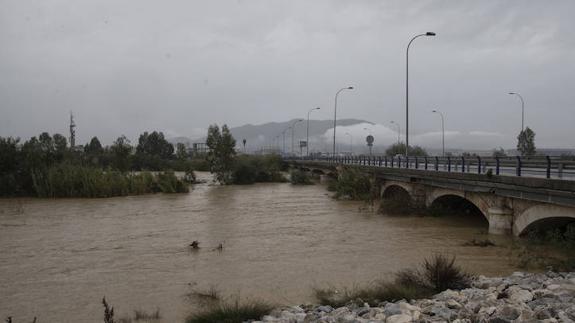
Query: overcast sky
126	66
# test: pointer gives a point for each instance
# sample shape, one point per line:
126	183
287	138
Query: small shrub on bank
299	177
232	313
140	315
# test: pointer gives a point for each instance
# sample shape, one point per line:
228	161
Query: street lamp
284	140
522	109
429	33
442	131
398	130
292	133
335	114
350	143
307	132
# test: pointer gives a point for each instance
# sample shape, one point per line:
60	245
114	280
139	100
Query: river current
59	257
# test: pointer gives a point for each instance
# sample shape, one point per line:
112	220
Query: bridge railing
538	166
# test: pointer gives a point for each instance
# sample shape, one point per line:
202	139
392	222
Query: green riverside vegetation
300	177
228	168
45	166
354	184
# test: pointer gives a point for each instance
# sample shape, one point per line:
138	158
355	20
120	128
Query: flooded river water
58	258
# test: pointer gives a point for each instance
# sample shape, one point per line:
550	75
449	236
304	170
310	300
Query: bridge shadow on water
458	209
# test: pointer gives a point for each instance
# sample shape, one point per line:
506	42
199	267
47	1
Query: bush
435	275
354	184
441	273
257	169
66	180
299	177
231	313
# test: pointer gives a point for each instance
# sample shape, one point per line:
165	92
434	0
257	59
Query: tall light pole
442	132
350	143
307	132
335	114
398	130
522	109
429	33
292	134
284	140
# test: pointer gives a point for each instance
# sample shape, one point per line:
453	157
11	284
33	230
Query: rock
399	318
446	295
508	313
518	295
487	310
324	308
404	307
312	317
452	304
340	311
391	309
362	311
553	287
379	316
564	317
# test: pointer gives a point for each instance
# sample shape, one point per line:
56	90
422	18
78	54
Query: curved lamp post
307	132
398	130
284	140
442	132
335	114
429	33
292	134
522	109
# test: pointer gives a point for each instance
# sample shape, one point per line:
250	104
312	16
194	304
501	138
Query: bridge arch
542	214
462	200
476	200
392	187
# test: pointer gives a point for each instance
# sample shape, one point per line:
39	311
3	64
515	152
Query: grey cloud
178	66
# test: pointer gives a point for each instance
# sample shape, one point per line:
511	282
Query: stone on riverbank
520	297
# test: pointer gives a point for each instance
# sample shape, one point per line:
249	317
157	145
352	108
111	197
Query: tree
10	166
181	151
60	146
154	144
399	149
94	147
121	150
526	142
499	152
221	155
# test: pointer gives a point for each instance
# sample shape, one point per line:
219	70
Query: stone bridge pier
505	215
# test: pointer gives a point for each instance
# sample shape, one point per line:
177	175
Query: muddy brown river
58	258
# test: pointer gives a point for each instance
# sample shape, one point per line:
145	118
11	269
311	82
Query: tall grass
235	312
66	180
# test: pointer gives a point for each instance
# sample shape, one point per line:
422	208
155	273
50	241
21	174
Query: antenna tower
72	131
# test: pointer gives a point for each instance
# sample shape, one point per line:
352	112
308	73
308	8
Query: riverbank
520	297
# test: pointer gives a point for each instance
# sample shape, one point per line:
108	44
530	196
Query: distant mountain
267	132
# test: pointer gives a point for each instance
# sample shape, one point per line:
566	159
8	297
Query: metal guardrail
540	166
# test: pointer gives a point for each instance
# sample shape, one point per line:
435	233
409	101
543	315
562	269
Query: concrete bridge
510	204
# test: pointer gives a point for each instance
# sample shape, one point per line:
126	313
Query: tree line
36	166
